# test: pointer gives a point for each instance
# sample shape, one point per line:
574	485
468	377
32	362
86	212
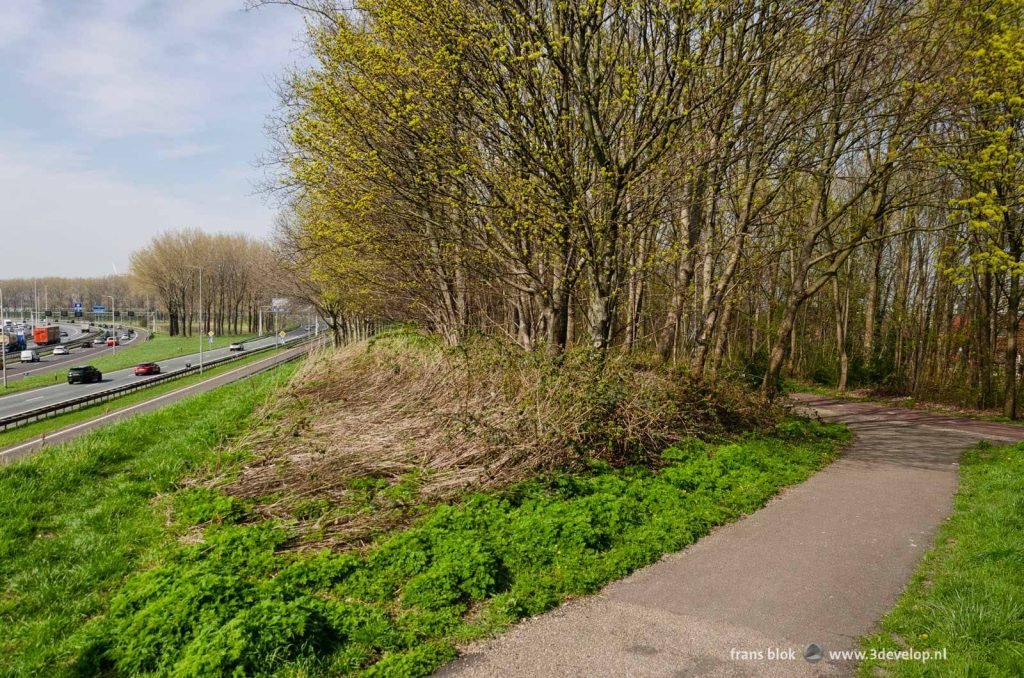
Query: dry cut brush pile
368	434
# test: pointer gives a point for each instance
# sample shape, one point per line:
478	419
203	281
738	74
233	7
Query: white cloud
71	220
107	99
186	151
18	20
118	68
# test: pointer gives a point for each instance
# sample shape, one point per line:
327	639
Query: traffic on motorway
74	355
27	401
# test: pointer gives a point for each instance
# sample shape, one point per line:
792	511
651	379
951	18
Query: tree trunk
871	308
842	320
1010	365
777	357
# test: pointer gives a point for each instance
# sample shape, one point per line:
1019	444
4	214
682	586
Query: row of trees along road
239	275
828	188
58	295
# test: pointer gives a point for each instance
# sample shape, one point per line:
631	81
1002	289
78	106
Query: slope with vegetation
397	498
76	519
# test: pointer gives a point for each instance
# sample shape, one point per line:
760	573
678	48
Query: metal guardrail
73	404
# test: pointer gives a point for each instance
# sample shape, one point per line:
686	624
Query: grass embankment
967	597
76	519
234	603
46	426
128	355
129	551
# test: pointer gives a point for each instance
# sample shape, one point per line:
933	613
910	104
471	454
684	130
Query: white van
29	357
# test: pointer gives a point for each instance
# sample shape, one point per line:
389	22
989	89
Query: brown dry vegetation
367	435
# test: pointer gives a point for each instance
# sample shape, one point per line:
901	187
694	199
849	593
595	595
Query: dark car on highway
144	369
85	374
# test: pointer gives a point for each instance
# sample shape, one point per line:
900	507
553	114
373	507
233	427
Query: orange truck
46	335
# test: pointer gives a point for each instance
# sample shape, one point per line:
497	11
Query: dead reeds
365	436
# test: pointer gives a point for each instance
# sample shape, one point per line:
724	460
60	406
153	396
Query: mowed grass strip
963	613
102	358
76	519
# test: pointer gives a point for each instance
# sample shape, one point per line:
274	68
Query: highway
50	362
26	401
272	359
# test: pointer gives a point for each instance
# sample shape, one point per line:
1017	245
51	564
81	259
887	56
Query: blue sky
120	119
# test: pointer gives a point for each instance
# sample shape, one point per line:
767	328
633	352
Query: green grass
139	351
76	519
227	600
967	596
793	386
38	428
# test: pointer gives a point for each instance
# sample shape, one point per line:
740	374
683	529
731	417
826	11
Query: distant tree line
830	190
59	295
238	277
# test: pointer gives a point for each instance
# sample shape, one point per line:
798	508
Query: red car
112	341
145	369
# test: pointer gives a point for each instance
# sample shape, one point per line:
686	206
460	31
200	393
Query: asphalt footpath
819	565
69	433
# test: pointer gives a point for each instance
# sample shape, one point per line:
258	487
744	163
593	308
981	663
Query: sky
122	119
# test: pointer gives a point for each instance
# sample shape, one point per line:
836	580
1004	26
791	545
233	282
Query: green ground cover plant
76	519
231	600
967	596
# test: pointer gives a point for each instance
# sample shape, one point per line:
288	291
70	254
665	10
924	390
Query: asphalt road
69	433
25	401
48	363
821	564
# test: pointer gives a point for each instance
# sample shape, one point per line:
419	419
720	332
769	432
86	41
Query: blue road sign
99	309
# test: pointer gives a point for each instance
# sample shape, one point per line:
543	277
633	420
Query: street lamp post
113	330
7	337
201	333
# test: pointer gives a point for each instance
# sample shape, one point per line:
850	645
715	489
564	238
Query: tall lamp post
201	333
6	336
113	329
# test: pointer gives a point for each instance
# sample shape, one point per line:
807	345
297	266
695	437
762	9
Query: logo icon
813	653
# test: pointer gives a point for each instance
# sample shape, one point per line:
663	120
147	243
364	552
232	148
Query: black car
85	374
